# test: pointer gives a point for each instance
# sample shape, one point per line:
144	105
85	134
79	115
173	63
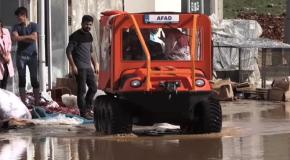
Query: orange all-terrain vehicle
156	67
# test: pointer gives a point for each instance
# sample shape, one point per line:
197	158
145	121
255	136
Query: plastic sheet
250	43
60	119
41	116
228	35
12	107
165	126
236	44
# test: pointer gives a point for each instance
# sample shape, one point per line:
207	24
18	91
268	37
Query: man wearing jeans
25	34
84	66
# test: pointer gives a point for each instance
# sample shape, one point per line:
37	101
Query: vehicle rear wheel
110	116
207	118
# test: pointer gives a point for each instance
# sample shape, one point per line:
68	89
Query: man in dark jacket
84	65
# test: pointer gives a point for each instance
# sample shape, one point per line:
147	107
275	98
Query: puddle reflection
266	147
14	149
251	130
88	149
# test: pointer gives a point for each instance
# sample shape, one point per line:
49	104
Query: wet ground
252	130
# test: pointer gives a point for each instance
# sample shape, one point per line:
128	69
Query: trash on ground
69	100
41	116
224	89
60	119
14	123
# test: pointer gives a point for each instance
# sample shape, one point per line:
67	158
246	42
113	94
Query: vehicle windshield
163	44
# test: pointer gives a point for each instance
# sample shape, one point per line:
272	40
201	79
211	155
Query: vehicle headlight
135	83
199	82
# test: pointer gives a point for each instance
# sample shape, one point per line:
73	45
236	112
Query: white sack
12	107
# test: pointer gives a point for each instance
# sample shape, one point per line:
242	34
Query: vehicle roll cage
148	57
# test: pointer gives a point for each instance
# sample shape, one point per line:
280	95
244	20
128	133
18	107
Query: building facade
64	17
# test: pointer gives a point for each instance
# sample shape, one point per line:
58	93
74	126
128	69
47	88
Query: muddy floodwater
252	130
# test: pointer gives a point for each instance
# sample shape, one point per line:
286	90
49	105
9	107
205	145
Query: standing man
25	34
84	65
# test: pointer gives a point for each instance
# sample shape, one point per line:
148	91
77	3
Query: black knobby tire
110	117
207	118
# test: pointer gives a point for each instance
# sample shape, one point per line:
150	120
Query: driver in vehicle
132	47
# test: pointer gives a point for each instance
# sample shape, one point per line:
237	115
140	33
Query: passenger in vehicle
176	44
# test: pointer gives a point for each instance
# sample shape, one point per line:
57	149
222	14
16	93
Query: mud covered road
251	130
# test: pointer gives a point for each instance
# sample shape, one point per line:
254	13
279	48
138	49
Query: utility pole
49	41
41	22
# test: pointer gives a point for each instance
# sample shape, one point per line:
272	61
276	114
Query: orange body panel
159	70
182	75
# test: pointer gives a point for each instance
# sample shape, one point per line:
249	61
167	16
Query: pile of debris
227	90
55	105
273	26
16	114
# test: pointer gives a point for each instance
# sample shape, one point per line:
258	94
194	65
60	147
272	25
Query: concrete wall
58	39
7	9
207	6
210	7
91	7
137	6
133	6
168	5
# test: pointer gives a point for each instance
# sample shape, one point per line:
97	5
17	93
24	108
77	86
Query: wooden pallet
250	93
262	93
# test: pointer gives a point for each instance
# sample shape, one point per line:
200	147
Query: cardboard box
69	83
282	83
56	93
276	94
226	93
224	89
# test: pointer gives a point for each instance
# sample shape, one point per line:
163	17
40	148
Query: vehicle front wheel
207	118
110	116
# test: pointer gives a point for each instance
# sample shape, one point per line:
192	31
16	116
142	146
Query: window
105	54
163	44
198	55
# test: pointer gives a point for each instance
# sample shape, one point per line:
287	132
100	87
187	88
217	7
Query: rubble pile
62	109
273	26
54	106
